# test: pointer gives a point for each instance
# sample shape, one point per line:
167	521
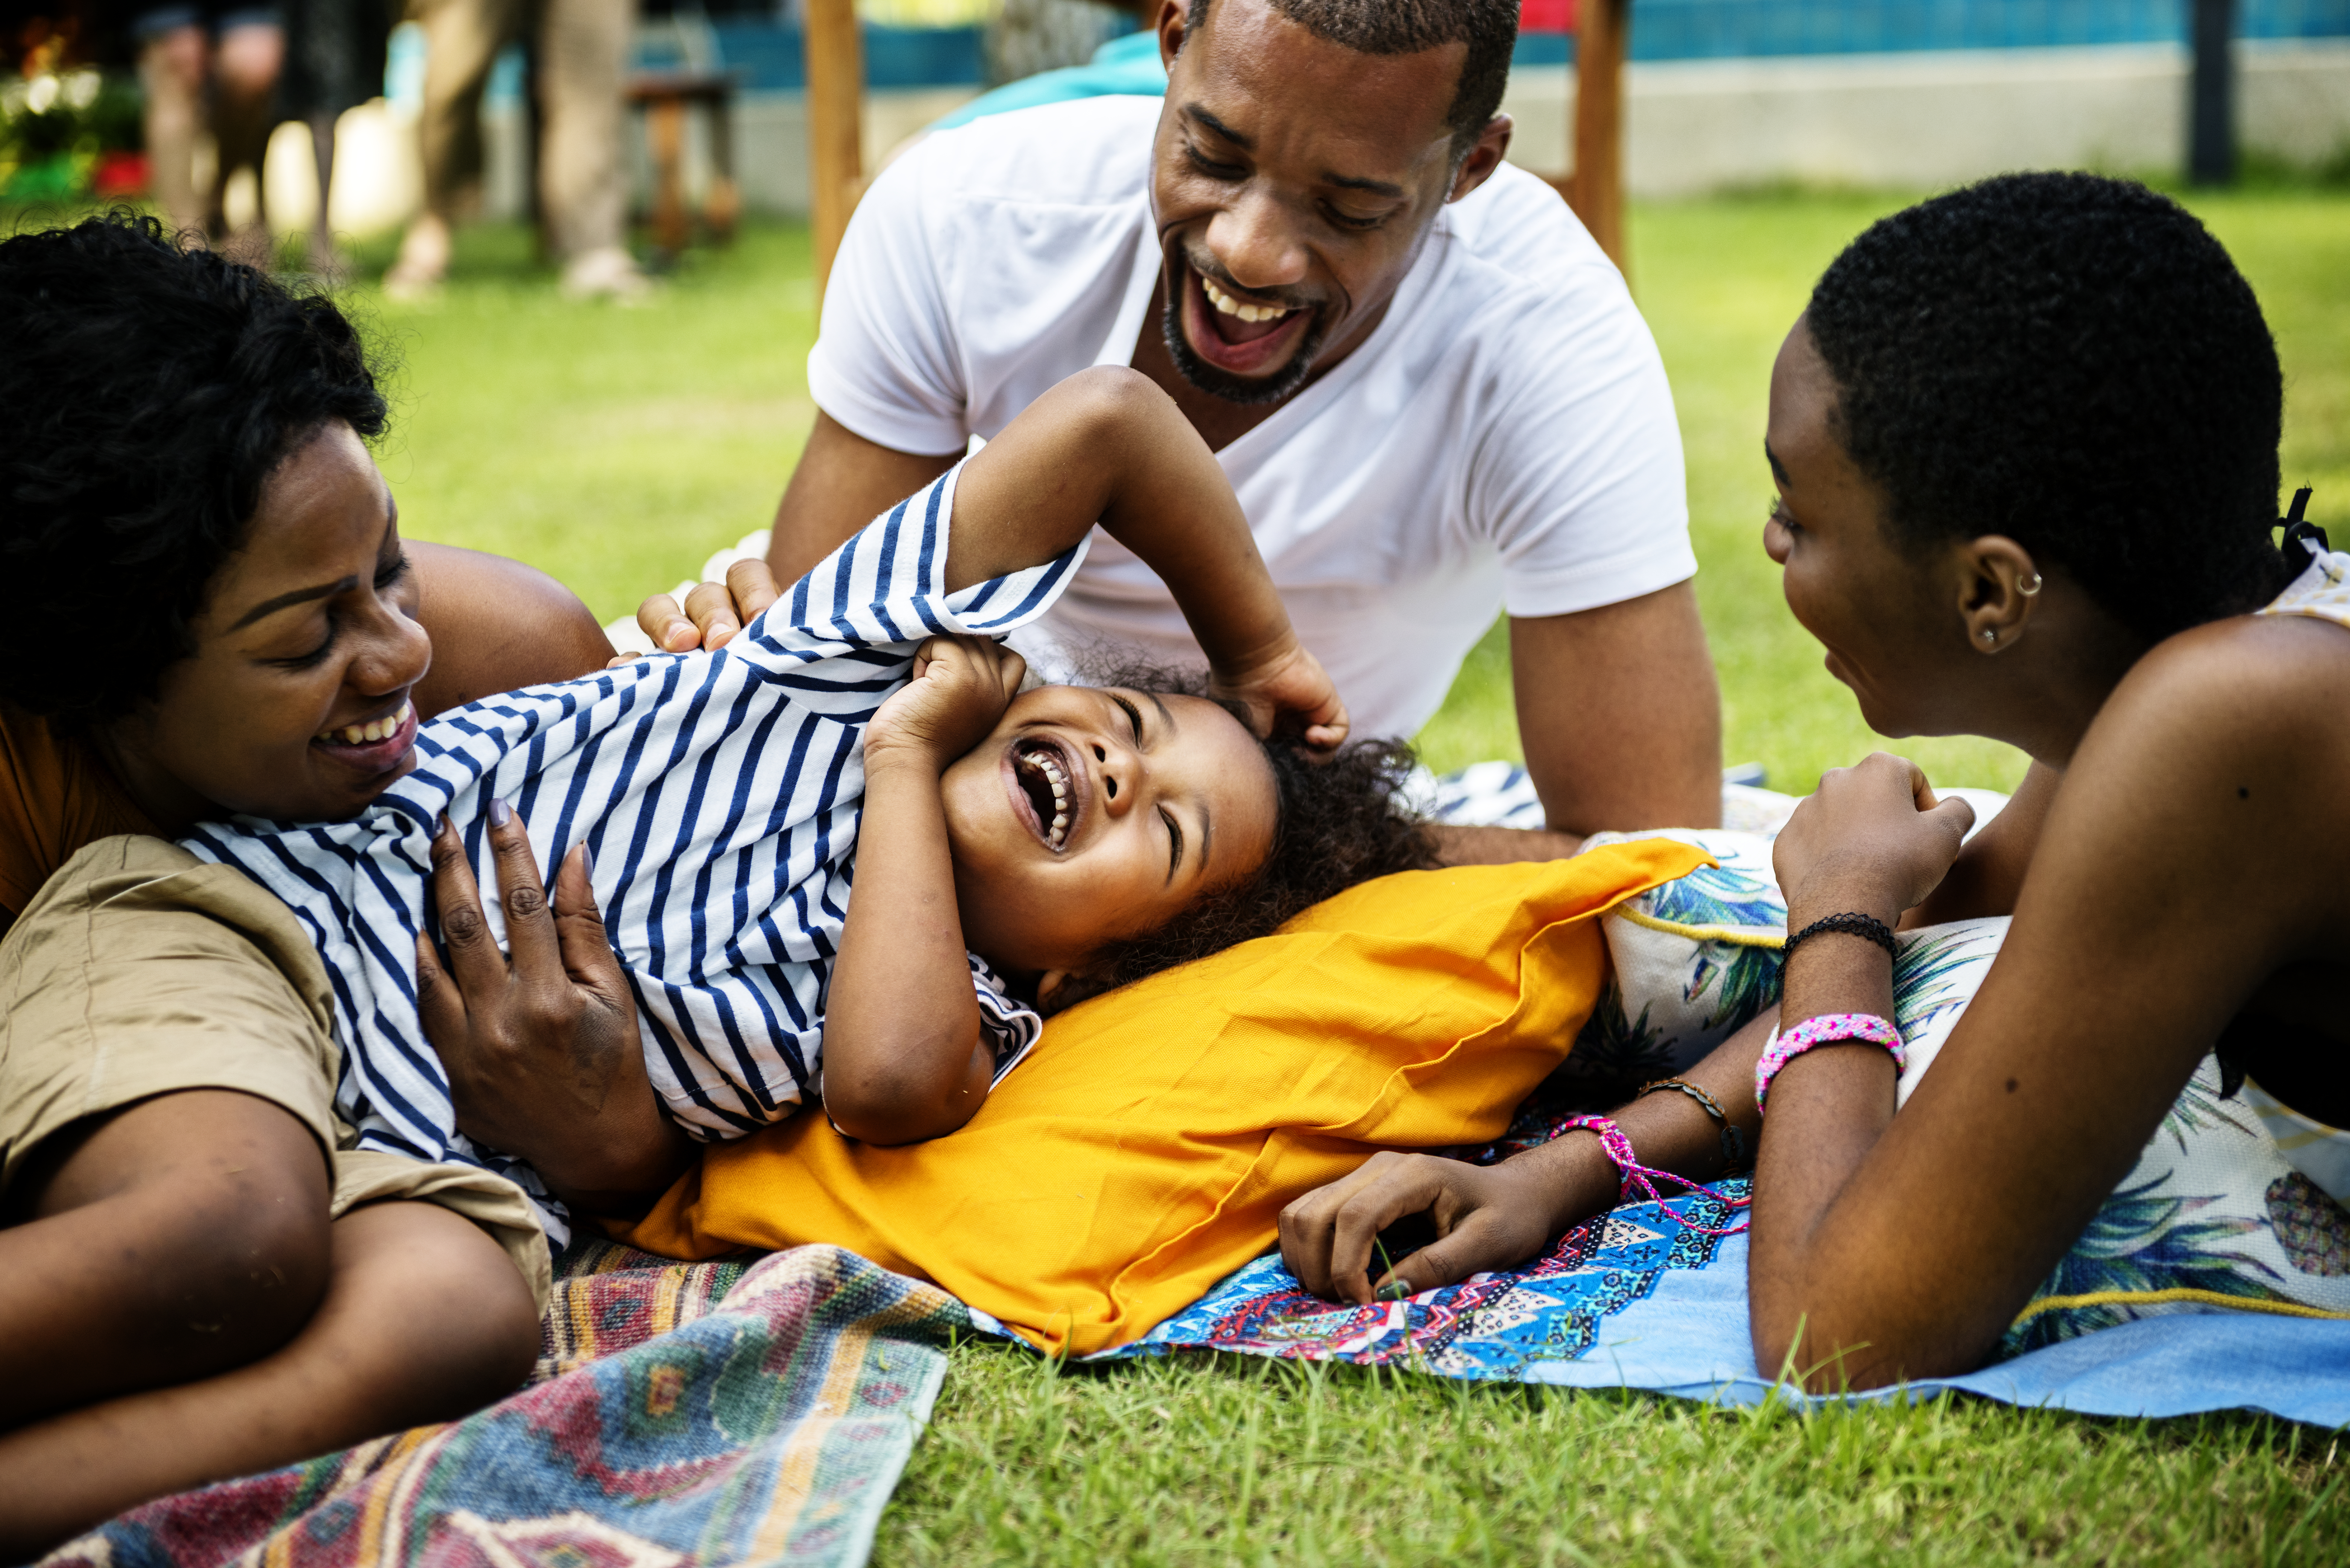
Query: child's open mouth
1048	778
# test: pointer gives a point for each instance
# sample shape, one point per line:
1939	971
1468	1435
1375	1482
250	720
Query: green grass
616	448
1229	1461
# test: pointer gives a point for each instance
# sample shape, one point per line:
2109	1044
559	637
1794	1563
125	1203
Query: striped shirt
719	796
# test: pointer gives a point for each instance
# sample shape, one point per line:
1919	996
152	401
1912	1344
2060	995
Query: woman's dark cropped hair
146	393
2072	361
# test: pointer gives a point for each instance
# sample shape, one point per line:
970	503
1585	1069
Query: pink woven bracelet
1643	1177
1827	1029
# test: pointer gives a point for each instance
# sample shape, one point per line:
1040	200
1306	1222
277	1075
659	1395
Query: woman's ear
1999	588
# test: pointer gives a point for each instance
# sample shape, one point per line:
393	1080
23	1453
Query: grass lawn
616	448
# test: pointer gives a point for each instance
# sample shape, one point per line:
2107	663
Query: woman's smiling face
295	704
1890	635
1092	814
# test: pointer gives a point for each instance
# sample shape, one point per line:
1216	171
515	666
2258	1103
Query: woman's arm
2174	875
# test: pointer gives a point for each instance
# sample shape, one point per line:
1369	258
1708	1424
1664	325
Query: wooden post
2211	95
836	111
1596	191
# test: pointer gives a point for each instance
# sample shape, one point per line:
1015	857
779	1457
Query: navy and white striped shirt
719	794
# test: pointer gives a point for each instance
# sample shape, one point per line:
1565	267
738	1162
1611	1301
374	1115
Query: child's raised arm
1107	446
905	1056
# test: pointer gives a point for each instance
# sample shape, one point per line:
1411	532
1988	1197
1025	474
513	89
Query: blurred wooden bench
666	97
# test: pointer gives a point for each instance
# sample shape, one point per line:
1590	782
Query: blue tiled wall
1717	29
768	54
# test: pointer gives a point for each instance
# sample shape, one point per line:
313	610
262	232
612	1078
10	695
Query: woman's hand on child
960	688
1287	693
1871	840
542	1049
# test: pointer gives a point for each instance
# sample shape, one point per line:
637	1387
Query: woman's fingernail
587	861
1394	1290
500	812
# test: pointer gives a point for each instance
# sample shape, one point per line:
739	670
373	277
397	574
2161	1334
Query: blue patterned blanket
1635	1301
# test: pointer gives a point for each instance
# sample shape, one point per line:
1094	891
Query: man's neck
1219	421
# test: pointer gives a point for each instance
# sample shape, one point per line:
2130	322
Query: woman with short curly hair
2025	444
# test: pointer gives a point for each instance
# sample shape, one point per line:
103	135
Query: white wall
1914	121
1932	118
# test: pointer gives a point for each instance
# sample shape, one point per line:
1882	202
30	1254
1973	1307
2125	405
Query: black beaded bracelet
1852	924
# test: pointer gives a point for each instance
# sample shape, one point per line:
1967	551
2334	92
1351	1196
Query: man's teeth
1230	307
372	730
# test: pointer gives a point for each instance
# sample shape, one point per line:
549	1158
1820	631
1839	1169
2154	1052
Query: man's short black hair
146	394
1489	28
2075	362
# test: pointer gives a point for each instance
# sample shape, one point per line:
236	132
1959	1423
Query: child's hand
961	687
1287	694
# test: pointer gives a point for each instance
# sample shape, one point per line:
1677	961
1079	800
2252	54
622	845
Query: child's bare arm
905	1056
1107	446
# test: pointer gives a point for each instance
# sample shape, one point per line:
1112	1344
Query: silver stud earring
2028	585
1991	634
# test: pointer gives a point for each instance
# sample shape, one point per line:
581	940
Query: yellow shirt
56	795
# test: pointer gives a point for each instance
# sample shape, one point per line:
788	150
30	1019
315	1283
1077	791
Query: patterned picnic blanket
1491	1327
712	1413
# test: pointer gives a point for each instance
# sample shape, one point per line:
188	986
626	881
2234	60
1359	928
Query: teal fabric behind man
1126	65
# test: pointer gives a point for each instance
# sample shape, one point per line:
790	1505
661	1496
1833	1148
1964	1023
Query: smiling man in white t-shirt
1430	390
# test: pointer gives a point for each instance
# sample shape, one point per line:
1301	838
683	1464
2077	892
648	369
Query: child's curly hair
1339	822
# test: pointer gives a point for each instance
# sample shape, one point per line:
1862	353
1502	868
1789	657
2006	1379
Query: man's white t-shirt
1504	438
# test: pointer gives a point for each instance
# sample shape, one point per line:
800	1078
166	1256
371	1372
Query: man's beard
1221	383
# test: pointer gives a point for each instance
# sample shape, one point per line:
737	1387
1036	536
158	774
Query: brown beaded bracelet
1733	1142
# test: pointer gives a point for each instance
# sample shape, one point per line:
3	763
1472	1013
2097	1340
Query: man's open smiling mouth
1239	335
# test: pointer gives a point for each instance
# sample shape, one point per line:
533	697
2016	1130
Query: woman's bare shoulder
497	624
2235	689
2227	749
